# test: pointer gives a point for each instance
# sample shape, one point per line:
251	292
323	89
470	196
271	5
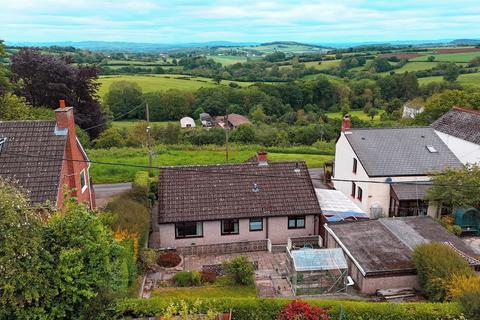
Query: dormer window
2	143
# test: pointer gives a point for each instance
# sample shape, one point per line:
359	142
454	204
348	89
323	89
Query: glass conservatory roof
318	259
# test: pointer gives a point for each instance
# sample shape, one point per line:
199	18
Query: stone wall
222	248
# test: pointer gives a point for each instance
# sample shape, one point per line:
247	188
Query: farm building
412	108
379	252
206	119
232	121
187	122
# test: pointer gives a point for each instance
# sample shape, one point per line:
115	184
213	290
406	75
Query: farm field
228	60
150	83
471	79
129	124
414	66
324	65
450	57
184	155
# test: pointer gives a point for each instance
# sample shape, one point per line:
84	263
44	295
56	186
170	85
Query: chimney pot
346	123
262	158
62	104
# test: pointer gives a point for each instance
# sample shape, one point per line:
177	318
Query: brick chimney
65	119
262	158
345	123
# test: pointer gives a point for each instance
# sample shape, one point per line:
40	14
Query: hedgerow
269	309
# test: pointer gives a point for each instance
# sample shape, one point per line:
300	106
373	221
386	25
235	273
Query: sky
181	21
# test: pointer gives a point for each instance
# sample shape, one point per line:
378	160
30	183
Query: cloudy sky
175	21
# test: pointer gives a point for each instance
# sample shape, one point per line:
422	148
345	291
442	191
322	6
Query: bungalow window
360	194
256	224
229	226
188	229
354	165
354	187
83	180
297	222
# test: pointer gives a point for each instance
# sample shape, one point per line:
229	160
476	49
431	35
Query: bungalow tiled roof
212	192
461	123
23	142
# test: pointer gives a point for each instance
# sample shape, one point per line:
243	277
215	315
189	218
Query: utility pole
147	112
226	138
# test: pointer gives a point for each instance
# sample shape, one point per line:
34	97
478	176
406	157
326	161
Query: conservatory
317	271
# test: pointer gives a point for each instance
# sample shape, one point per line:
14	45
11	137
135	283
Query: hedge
268	309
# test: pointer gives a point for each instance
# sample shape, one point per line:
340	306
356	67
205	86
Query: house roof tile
460	123
386	152
40	176
213	192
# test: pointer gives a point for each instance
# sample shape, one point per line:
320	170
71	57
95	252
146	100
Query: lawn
206	292
181	155
450	57
471	79
150	83
356	113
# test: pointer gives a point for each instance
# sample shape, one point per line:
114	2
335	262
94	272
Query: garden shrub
131	216
470	302
168	259
187	279
269	309
466	290
436	264
240	269
147	259
299	310
141	187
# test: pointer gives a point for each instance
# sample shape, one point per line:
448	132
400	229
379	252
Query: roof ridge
232	164
389	128
474	111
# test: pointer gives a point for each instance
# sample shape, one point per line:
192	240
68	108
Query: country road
105	191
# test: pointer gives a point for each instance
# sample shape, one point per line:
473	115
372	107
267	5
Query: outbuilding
187	122
379	252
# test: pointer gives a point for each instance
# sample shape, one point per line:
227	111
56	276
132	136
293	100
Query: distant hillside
294	43
130	46
467	42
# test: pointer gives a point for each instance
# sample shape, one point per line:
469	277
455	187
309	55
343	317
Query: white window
83	180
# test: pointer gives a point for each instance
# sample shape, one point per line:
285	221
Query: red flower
300	310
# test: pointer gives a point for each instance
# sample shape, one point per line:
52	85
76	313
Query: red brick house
37	155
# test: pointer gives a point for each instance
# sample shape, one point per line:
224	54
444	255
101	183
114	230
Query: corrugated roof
196	193
386	152
337	207
460	123
39	176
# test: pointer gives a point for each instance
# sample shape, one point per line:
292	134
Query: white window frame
85	187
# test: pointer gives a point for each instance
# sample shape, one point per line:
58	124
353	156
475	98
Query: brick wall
222	248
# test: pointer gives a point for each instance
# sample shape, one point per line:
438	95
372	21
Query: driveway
103	192
317	174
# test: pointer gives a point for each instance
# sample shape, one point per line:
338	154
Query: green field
450	57
286	48
150	83
229	60
129	124
183	155
471	79
327	64
356	113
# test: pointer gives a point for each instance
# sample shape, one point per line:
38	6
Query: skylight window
432	149
2	143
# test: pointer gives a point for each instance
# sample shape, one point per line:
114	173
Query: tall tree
124	96
45	79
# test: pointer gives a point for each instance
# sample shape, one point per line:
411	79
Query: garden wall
223	248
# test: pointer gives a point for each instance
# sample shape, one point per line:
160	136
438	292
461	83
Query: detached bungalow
35	155
235	207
